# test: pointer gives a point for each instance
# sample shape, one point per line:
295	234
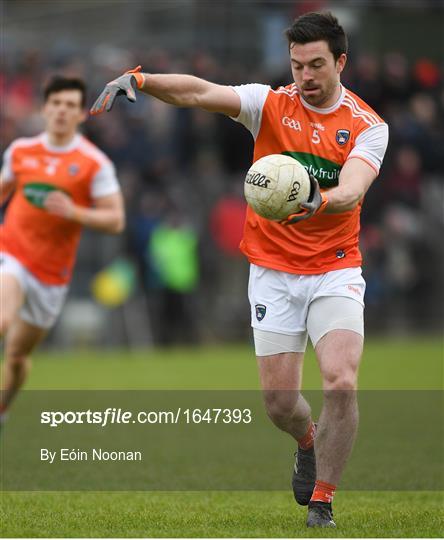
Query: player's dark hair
57	84
319	27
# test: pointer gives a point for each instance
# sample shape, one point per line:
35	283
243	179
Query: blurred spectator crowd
182	171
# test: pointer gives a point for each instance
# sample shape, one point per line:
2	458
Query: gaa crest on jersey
30	162
261	310
73	169
342	136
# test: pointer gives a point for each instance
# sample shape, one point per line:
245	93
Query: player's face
315	71
63	112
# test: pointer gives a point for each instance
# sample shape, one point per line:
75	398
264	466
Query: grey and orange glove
315	204
125	85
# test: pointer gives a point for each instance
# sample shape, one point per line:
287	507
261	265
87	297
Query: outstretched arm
189	91
178	90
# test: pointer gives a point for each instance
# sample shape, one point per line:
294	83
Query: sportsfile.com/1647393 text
113	415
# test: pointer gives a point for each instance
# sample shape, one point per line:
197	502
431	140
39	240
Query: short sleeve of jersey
7	172
371	145
252	97
105	181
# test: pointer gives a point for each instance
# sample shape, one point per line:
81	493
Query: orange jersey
322	140
44	243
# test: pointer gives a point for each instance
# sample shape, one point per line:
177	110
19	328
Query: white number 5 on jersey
315	138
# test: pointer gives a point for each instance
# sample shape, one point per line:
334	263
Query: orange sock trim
323	492
307	440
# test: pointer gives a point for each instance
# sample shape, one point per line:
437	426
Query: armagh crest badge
73	169
342	136
260	311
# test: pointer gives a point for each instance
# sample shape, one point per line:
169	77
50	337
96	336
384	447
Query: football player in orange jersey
305	273
58	182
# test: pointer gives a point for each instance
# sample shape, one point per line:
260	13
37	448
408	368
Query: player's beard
325	93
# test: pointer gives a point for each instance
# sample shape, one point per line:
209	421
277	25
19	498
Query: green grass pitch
415	363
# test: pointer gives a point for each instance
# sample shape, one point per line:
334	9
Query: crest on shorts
260	311
342	136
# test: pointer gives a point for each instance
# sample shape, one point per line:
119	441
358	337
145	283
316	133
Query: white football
276	185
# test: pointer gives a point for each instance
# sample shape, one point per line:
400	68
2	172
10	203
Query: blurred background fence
176	274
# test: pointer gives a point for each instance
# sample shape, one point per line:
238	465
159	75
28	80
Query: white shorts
43	303
287	308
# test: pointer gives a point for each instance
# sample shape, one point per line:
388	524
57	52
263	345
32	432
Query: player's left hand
59	204
317	202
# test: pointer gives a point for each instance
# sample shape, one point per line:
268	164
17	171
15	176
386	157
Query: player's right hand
125	85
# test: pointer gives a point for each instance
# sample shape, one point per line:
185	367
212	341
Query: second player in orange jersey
305	273
58	183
